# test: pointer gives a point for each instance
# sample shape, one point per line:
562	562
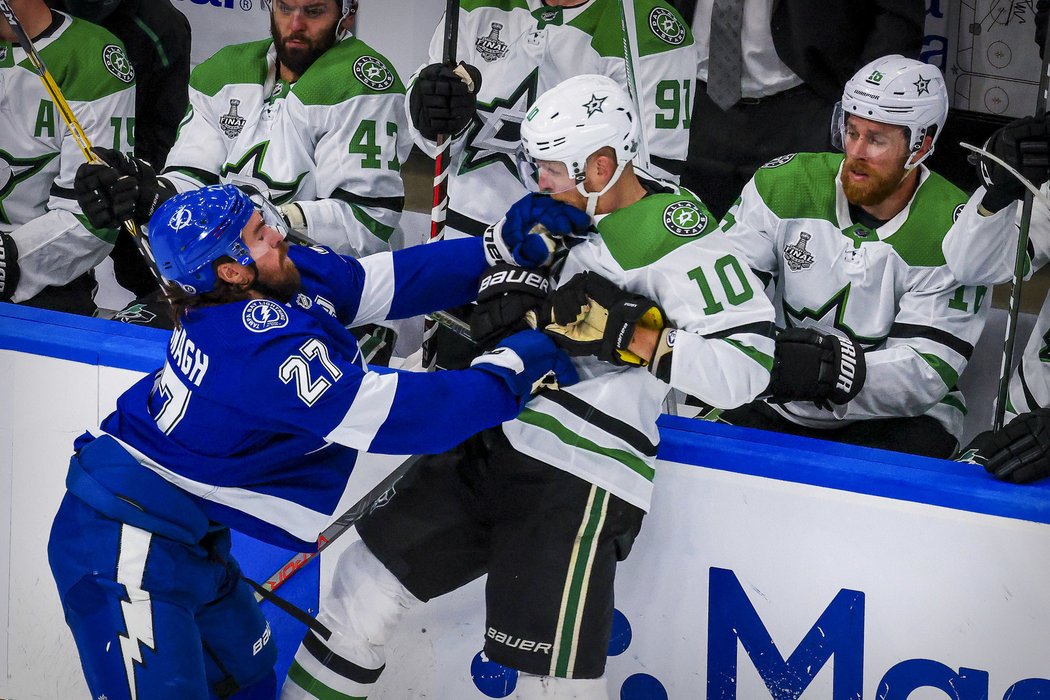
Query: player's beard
281	287
875	190
298	60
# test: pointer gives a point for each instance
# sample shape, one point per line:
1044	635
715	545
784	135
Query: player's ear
234	273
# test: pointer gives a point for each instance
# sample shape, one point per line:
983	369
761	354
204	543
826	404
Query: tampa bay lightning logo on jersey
684	219
231	123
261	315
779	160
373	72
117	63
796	255
491	47
666	26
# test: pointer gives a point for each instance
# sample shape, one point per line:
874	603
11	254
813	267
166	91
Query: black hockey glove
1024	144
9	271
121	189
444	98
506	294
1019	452
589	315
811	366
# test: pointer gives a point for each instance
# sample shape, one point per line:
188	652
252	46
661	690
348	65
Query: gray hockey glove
1024	144
528	362
589	315
9	270
506	296
1019	452
811	366
444	99
121	189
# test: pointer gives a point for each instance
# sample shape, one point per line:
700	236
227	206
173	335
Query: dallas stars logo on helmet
373	72
684	219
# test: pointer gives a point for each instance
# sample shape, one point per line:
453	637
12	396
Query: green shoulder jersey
668	248
887	288
39	156
332	141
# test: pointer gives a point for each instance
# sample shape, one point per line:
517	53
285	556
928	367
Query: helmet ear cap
192	230
900	91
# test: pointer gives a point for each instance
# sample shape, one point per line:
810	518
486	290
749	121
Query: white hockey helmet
347	8
896	90
575	119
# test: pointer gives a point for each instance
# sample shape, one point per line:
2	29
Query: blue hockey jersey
261	408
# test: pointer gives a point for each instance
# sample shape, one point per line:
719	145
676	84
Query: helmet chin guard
577	118
900	91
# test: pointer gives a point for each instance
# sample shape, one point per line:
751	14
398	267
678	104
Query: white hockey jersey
668	248
888	288
523	48
39	156
333	141
983	252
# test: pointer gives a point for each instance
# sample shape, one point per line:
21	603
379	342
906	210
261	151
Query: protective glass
887	143
543	176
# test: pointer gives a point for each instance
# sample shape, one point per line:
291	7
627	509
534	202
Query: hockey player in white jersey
140	547
850	247
985	254
47	248
548	504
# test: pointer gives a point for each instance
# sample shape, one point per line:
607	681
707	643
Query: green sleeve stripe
302	678
202	176
109	235
379	230
553	426
947	373
752	352
955	403
507	5
164	60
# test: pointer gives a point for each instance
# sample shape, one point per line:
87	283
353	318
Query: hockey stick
337	529
631	59
1019	266
74	127
439	207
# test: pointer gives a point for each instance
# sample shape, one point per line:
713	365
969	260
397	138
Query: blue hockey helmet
192	230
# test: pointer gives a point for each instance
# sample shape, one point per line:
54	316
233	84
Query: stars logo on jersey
494	134
14	171
137	314
779	160
249	170
261	315
958	212
666	26
829	315
231	123
684	219
594	105
491	47
922	86
3	53
117	63
795	254
373	72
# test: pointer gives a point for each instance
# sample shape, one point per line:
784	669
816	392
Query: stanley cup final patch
491	47
117	63
796	255
231	123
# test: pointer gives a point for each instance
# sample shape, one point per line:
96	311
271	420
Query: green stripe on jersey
946	372
82	60
603	22
506	5
348	69
635	239
934	209
379	230
752	352
554	426
800	186
302	678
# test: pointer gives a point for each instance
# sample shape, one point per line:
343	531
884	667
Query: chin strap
592	197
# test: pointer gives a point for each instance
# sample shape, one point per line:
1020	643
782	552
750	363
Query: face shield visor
543	176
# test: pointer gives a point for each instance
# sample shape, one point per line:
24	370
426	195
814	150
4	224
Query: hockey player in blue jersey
254	423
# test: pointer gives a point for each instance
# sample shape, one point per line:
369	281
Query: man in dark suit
792	58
